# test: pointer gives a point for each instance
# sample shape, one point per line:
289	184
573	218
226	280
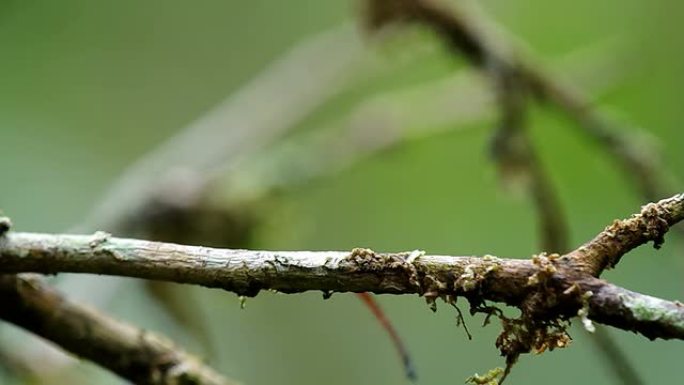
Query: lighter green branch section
645	308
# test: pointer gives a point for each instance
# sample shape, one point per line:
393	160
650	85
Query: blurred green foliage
88	86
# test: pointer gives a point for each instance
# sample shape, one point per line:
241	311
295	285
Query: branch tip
608	247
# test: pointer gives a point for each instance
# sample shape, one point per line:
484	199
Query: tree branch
653	317
651	224
468	36
134	354
564	283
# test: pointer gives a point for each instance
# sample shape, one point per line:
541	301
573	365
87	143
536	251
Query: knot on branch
367	260
650	223
655	225
474	274
545	299
99	239
545	269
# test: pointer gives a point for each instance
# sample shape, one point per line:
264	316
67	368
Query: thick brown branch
137	355
544	288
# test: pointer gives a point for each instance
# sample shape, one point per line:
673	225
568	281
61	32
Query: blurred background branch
132	353
476	39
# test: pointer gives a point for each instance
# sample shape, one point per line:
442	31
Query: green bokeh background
86	87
